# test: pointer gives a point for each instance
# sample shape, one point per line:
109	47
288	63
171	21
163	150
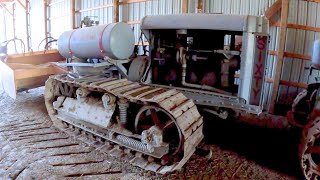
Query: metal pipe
45	16
27	8
14	25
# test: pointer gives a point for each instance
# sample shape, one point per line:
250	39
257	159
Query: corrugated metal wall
298	41
37	32
8	24
59	17
134	12
20	26
2	27
102	10
86	8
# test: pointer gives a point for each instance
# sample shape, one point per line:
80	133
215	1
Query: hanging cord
142	43
23	47
47	38
144	77
47	44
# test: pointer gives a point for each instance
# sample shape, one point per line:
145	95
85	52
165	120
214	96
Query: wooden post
281	48
200	6
271	11
24	6
115	11
45	16
73	14
5	7
184	6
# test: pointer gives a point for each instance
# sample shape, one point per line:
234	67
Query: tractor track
34	149
71	158
44	152
182	112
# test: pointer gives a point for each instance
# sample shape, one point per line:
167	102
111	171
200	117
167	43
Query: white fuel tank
316	55
115	41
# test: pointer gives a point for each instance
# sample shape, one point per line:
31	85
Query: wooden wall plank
298	26
291	55
200	6
273	9
73	14
281	48
115	10
184	6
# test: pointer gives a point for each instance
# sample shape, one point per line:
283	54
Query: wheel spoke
168	125
155	118
145	127
313	150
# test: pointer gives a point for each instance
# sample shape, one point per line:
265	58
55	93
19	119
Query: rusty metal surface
309	149
184	112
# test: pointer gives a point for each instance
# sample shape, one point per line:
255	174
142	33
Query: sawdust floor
30	148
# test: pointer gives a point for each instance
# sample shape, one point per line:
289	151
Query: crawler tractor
150	105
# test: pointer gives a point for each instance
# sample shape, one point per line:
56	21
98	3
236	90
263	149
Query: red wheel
149	116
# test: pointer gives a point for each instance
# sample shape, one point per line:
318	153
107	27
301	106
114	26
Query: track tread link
175	103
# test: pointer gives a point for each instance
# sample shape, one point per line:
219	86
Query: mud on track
31	148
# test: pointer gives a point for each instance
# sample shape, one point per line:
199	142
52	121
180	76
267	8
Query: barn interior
159	89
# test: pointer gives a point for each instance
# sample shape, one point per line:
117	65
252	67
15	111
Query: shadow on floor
271	148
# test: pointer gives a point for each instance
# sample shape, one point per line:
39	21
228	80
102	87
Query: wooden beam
317	1
36	58
115	11
298	26
23	6
293	84
273	9
94	8
184	6
282	82
30	73
30	83
73	14
56	2
132	1
6	1
4	6
307	28
291	55
200	6
281	48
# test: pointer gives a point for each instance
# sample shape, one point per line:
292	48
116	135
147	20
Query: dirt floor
31	148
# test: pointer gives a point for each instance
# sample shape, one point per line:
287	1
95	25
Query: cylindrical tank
114	40
316	55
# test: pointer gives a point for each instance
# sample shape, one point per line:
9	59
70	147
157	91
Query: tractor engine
200	59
